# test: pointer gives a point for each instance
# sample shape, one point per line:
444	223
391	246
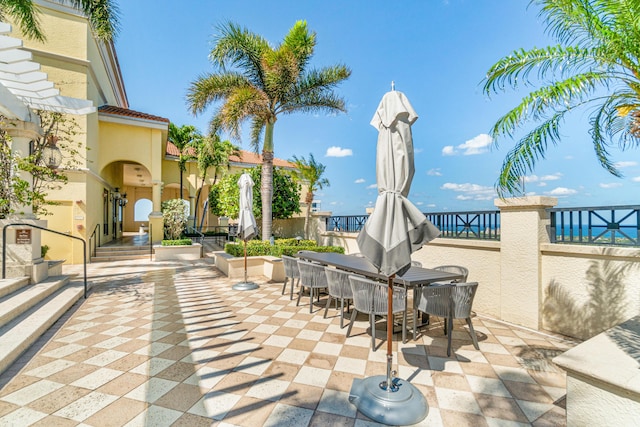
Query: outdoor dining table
413	279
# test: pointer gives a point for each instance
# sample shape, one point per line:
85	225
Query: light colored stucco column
22	133
524	224
155	217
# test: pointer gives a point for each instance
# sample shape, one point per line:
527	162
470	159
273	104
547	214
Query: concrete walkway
160	343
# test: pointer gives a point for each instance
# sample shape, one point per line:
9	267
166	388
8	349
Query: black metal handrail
92	238
150	242
22	224
601	225
455	225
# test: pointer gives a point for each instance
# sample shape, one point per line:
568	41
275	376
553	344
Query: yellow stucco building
126	162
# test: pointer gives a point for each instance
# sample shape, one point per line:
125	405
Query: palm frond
25	13
209	88
523	157
104	16
301	42
257	127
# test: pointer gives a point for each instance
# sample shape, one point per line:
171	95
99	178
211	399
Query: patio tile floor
170	343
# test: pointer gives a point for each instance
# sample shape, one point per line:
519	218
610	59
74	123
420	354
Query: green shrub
43	250
260	248
295	242
177	242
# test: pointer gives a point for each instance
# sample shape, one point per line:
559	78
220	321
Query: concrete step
8	286
17	335
111	258
122	248
21	300
121	253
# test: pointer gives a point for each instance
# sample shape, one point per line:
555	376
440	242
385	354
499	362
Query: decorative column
155	217
524	224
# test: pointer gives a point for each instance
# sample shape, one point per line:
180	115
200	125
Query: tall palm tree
212	153
595	66
184	138
258	82
103	15
311	172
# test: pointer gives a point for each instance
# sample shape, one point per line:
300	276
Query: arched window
142	209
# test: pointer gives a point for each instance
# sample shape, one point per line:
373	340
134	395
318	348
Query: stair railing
23	224
93	238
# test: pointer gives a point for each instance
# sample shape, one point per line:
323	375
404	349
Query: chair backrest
290	266
457	269
338	282
416	263
463	295
372	297
312	275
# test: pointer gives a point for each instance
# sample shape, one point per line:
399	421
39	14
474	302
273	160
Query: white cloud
359	181
610	185
419	203
536	178
470	191
338	152
372	186
448	151
418	150
542	184
621	165
636	179
434	172
431	205
562	191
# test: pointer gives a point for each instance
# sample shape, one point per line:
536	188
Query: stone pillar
156	225
22	133
524	224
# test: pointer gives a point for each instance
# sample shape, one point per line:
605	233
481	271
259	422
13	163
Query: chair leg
284	286
450	321
293	280
353	318
310	299
373	331
473	334
341	312
327	307
404	326
299	295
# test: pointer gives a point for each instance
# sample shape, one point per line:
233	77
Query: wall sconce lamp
51	154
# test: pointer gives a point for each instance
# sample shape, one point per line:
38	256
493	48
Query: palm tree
258	82
212	153
595	66
311	172
184	138
103	15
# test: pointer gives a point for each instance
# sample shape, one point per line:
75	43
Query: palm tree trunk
266	187
309	200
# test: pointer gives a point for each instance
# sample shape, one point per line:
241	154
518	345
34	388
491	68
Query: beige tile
249	412
302	395
117	413
122	384
181	397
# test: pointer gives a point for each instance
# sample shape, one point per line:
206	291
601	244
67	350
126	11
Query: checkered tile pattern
159	344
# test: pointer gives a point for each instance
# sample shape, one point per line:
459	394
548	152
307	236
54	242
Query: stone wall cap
612	357
520	203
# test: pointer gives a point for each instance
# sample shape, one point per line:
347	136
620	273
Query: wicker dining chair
339	289
456	269
371	298
312	276
449	301
291	271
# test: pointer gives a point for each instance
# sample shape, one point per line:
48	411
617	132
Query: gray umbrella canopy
396	228
247	227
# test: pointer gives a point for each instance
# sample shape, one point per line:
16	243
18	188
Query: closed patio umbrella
394	230
247	227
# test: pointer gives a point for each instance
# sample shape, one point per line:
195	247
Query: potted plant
174	215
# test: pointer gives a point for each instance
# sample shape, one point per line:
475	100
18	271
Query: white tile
533	410
22	417
351	365
77	336
151	390
112	342
32	392
329	348
65	350
253	365
491	386
218	404
248	310
312	376
489	347
105	358
295	324
336	402
512	341
415	375
268	389
86	406
456	400
256	319
308	334
97	378
266	329
242	347
497	422
513	374
117	330
154	416
278	341
288	416
50	368
296	357
444	365
153	349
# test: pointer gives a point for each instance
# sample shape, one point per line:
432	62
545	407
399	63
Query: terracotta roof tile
246	157
117	111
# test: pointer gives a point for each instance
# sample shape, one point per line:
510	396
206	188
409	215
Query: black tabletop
415	276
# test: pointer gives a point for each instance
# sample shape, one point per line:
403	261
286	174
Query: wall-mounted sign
23	236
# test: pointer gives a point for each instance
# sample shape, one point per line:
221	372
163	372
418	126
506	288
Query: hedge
260	248
177	242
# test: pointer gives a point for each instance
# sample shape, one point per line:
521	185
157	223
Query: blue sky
436	51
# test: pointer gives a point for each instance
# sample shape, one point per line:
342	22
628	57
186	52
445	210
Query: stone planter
184	252
233	267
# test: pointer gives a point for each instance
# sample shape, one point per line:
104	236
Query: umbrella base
405	406
245	286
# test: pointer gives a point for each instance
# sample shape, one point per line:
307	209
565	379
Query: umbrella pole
245	261
388	384
246	285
